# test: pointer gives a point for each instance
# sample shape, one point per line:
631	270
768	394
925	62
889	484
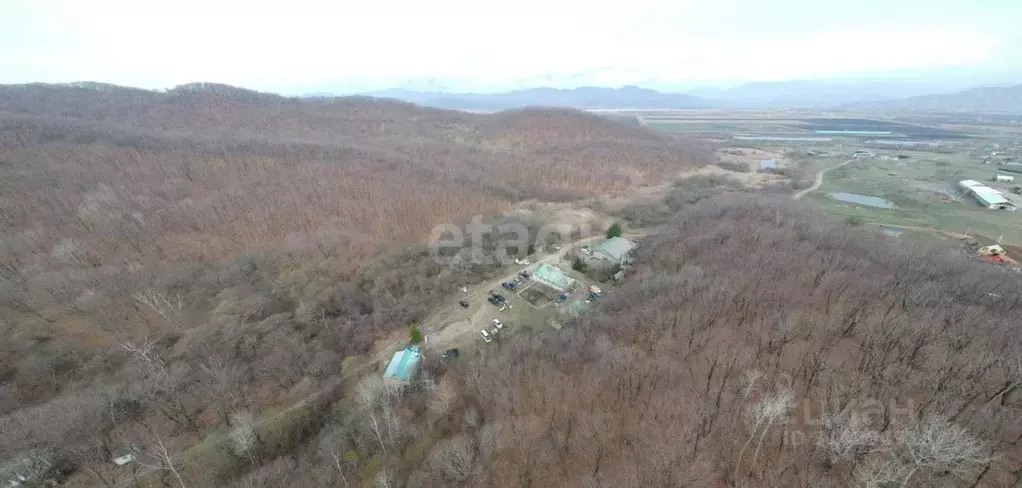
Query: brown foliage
249	241
656	387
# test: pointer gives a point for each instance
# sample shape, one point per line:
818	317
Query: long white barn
986	196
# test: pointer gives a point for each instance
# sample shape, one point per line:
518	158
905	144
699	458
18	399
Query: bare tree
146	353
160	384
166	306
243	436
160	458
222	380
455	458
1013	377
748	383
772	409
878	472
444	396
846	436
935	444
385	479
334	444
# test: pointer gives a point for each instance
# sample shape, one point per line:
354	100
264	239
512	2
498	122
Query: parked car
463	304
562	297
524	274
486	335
498	324
451	353
506	285
555	247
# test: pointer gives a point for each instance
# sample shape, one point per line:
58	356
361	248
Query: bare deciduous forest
170	260
761	346
178	268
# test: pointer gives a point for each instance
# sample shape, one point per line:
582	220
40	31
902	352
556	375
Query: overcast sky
295	46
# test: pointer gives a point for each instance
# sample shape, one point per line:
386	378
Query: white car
486	336
497	323
522	262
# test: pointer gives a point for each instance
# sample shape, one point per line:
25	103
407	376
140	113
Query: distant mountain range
980	99
908	96
582	98
817	94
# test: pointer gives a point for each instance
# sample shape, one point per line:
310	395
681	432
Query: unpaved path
819	181
385	349
443	330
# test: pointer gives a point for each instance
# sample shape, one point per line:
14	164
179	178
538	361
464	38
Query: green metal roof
404	363
616	248
552	276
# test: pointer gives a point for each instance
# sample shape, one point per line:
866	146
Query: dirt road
436	323
819	181
444	329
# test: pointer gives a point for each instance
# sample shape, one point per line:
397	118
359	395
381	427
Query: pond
891	230
863	200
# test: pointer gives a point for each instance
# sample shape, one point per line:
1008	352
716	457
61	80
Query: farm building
615	250
403	365
552	277
986	196
1004	178
767	164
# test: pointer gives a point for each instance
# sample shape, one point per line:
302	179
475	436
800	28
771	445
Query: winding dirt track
819	181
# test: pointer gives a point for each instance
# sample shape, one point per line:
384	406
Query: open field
915	164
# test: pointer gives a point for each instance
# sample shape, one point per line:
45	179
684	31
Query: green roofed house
552	277
615	250
402	367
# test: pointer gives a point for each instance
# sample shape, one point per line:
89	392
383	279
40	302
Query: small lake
782	138
863	200
855	132
891	230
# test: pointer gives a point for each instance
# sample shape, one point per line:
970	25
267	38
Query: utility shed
1004	178
615	249
552	277
767	165
402	367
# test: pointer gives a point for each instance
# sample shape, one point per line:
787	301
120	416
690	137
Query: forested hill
358	163
171	259
756	344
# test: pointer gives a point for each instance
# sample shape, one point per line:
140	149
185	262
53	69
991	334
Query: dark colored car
493	299
506	285
451	353
562	297
524	274
463	303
